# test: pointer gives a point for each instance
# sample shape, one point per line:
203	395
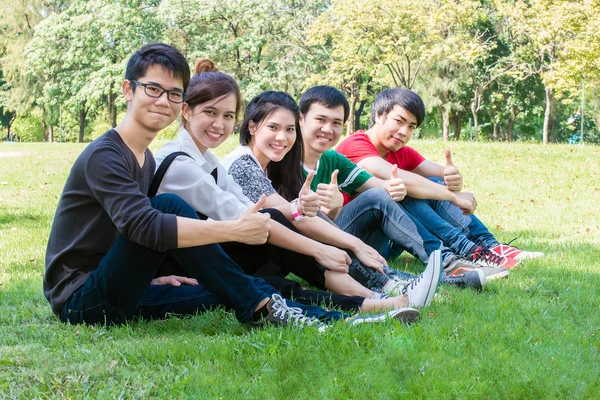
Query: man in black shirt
108	239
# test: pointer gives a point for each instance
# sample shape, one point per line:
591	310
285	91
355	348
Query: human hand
308	201
174	280
466	202
332	258
253	227
395	186
329	194
370	257
452	177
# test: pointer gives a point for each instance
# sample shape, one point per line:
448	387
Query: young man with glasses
109	240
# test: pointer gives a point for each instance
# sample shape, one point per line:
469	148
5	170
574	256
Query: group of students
143	236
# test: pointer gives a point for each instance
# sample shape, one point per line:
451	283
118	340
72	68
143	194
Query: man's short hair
161	54
327	96
387	99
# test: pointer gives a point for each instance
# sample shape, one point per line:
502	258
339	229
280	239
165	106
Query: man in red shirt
437	202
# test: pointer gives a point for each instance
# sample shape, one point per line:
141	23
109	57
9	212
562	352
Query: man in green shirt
366	206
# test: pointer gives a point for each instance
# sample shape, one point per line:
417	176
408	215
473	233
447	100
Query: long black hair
286	175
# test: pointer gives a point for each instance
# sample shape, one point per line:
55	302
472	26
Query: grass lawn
533	335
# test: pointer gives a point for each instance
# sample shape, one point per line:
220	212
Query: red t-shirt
358	146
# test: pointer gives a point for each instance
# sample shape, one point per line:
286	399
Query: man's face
322	127
395	129
153	113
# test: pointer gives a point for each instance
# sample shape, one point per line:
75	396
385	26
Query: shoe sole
498	275
406	315
436	259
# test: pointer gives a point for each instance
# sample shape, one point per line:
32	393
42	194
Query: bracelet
295	213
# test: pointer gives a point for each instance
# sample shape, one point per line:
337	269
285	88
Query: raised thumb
334	177
394	171
259	204
307	182
448	158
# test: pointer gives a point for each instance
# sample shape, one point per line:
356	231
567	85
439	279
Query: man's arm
419	187
251	228
428	168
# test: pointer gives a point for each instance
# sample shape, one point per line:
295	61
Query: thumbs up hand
395	186
308	201
253	227
452	176
330	196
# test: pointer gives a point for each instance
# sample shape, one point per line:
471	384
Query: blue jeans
120	288
462	233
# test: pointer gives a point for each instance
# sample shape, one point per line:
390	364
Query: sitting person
108	239
395	114
188	168
373	215
270	158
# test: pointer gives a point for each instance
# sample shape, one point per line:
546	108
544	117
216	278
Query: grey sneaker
467	278
407	315
280	314
420	290
380	296
457	264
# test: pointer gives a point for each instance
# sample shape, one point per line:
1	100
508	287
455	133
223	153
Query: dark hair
327	96
285	175
161	54
387	99
209	84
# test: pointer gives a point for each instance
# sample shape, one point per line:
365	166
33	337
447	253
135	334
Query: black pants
274	263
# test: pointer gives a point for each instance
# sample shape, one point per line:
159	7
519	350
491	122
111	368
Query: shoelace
412	284
486	255
281	309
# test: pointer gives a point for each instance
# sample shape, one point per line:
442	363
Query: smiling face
321	127
210	123
150	113
395	129
273	137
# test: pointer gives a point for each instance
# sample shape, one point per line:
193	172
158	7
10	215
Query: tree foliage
515	68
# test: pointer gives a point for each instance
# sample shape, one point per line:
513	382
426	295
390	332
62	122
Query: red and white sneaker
504	250
487	258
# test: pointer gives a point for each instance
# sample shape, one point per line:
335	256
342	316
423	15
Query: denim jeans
377	220
120	288
462	233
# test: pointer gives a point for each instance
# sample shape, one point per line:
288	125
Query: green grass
533	335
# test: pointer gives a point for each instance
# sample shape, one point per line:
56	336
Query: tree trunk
112	109
82	114
358	114
553	130
511	124
547	113
445	124
50	133
475	120
457	122
353	100
495	136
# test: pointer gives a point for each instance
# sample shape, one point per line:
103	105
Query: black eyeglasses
174	96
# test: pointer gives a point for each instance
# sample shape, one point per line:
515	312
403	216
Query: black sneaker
280	314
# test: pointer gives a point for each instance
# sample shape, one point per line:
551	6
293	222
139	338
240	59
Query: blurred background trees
488	70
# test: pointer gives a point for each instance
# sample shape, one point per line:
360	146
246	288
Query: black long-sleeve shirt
105	194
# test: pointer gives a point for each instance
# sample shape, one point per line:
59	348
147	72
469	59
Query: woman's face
211	123
273	137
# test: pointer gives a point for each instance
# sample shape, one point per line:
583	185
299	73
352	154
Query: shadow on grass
16	218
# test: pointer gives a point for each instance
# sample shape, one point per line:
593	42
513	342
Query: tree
542	32
81	53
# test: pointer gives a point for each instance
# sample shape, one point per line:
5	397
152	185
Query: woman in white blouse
208	117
